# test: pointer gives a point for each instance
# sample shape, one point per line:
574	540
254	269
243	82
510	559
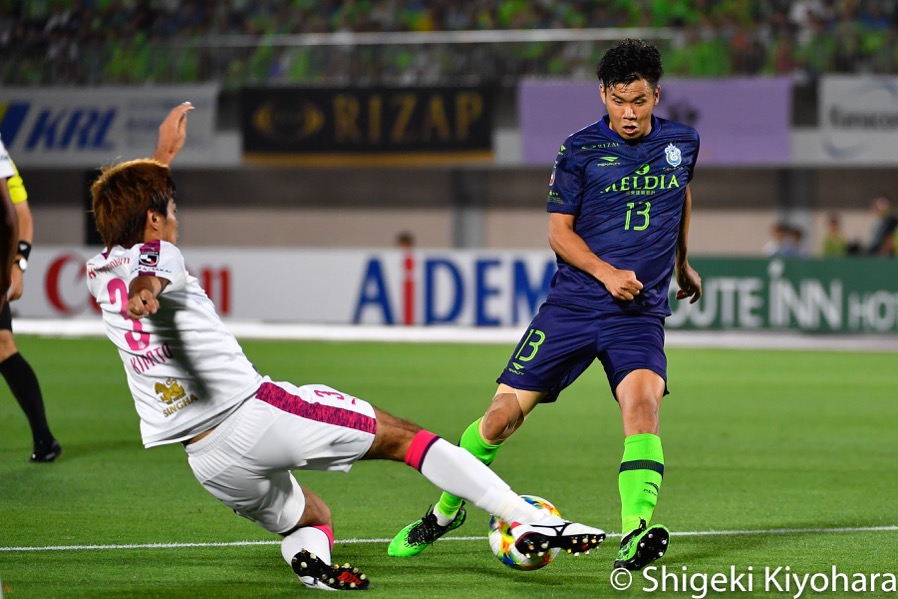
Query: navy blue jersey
628	199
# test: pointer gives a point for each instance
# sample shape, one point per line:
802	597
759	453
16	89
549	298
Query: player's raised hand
622	284
172	133
690	283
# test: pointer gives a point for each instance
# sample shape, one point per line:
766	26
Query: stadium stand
358	42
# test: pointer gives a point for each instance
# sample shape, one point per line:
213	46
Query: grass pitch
774	459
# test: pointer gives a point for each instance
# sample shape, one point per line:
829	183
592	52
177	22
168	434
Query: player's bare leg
641	471
506	414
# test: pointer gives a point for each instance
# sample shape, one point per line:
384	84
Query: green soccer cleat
418	536
642	546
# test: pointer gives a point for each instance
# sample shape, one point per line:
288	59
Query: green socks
641	471
471	440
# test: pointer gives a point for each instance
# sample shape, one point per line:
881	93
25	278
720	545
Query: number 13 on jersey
637	216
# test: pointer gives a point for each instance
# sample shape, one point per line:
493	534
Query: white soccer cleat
551	531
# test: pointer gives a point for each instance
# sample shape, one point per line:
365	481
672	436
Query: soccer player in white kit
244	433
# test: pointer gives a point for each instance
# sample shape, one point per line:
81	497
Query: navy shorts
561	342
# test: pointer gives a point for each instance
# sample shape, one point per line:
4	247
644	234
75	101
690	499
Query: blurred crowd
787	240
238	42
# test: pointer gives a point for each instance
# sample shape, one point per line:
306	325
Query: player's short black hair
629	60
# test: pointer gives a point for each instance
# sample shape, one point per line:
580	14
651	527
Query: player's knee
640	414
502	419
646	408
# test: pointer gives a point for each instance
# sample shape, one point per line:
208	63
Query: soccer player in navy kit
619	207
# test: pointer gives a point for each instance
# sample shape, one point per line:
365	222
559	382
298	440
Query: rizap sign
846	295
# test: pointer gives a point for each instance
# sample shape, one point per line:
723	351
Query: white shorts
246	460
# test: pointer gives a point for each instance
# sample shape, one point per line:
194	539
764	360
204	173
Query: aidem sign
485	288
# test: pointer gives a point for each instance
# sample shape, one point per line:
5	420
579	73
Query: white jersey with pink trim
6	169
185	370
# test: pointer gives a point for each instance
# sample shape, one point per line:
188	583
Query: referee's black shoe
46	452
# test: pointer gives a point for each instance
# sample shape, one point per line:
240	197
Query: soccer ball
502	543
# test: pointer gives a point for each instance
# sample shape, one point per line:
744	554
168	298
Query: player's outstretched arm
687	278
172	134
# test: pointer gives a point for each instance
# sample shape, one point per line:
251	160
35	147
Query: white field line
697	533
84	327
